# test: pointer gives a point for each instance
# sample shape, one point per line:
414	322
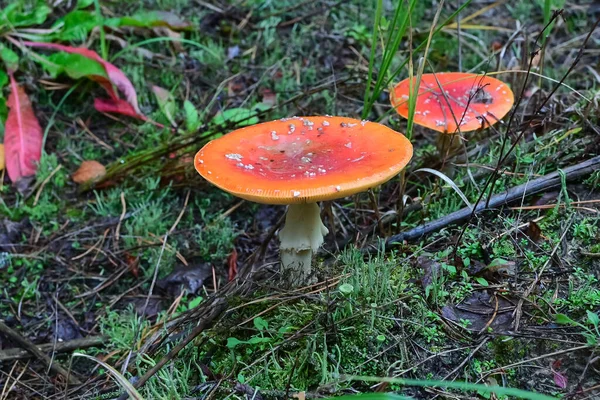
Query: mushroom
298	162
455	102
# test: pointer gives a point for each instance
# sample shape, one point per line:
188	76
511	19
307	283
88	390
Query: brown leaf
534	231
479	309
89	171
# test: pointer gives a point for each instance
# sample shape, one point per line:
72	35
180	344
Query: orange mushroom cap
303	159
486	100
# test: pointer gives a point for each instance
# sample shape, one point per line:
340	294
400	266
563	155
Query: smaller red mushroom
455	102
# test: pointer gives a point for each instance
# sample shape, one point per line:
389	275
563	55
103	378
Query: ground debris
480	311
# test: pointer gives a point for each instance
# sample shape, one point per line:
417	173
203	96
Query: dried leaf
166	103
115	76
117	106
479	309
534	231
2	157
22	135
89	171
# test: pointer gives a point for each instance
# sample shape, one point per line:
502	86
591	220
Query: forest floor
151	266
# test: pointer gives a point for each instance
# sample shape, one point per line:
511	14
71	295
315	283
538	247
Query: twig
541	184
37	353
60	347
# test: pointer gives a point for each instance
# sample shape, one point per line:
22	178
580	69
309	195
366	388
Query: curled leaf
116	77
22	135
117	106
89	171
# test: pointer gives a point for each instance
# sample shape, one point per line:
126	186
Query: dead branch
37	353
541	184
60	347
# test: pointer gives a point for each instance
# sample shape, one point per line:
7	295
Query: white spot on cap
295	193
338	188
325	123
234	156
348	145
201	161
274	135
363	122
292	129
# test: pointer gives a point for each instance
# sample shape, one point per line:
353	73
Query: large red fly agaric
455	102
299	161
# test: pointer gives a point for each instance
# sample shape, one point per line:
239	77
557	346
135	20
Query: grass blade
123	382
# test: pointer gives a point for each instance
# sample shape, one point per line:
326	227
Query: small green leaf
21	13
238	116
260	324
166	103
9	57
84	3
482	281
75	26
233	342
195	302
257	340
192	120
3	78
593	318
564	320
74	65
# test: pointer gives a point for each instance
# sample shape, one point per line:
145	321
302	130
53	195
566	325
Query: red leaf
560	380
117	106
22	135
116	76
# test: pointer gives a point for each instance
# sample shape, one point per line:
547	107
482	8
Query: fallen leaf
190	278
88	171
1	157
479	309
117	106
22	135
166	103
116	77
534	231
560	380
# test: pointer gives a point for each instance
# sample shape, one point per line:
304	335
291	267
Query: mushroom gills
300	238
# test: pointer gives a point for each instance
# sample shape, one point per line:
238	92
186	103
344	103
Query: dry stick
61	347
37	353
541	184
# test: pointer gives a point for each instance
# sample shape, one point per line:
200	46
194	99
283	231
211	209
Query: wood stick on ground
37	353
60	347
538	185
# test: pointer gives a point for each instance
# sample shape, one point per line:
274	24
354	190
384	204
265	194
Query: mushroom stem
299	239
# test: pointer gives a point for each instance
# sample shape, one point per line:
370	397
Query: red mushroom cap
303	159
486	100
